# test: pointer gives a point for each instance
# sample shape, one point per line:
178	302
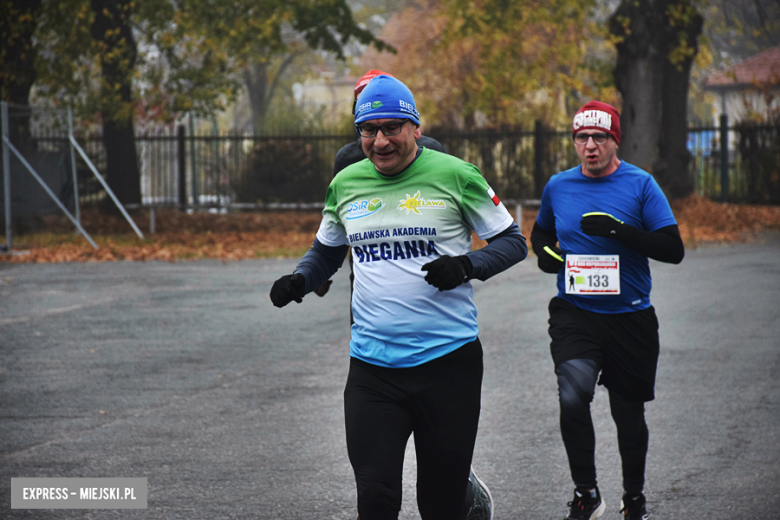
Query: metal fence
222	170
244	170
746	170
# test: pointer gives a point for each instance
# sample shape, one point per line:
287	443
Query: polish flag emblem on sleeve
493	196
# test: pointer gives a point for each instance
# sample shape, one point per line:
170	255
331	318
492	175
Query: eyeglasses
389	129
597	138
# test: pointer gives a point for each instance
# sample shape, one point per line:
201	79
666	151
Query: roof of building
761	69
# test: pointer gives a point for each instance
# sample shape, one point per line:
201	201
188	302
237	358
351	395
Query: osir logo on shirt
363	208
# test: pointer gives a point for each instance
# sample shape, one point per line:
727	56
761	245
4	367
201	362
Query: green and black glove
601	225
288	288
550	259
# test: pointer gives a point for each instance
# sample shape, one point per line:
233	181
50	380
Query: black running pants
576	385
438	402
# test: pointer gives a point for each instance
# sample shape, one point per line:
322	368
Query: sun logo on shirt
413	203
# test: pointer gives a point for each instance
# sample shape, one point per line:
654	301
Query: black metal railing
222	170
180	169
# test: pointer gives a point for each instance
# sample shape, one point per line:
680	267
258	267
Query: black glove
322	290
447	272
601	225
547	262
288	288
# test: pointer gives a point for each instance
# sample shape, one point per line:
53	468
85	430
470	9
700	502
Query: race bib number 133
593	274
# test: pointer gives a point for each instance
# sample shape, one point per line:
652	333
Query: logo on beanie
408	107
386	98
593	118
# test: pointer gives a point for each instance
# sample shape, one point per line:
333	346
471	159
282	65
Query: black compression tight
576	385
438	402
633	439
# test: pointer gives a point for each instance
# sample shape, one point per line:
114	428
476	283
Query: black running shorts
625	344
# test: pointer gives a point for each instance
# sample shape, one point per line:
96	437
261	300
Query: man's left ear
417	132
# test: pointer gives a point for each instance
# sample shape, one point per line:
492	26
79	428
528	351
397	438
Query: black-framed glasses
597	138
389	129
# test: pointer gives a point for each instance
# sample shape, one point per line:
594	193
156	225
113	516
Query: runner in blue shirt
597	226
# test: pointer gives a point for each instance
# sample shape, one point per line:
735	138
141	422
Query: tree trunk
256	79
123	176
260	91
639	78
654	86
111	28
671	168
18	22
541	155
640	119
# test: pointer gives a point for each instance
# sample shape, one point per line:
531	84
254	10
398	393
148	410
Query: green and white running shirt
394	225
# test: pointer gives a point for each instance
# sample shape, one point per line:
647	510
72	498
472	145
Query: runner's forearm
502	252
664	245
320	263
541	237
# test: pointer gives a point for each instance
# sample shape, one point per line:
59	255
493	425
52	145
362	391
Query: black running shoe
586	507
482	507
634	508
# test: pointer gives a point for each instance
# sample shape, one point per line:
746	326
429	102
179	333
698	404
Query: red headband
597	116
368	76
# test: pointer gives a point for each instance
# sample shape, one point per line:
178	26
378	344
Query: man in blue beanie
407	214
353	152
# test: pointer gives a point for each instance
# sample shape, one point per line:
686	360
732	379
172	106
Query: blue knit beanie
386	98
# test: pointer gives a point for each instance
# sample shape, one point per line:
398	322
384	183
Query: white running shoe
482	507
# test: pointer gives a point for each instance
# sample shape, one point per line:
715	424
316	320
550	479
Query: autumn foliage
239	236
178	236
702	220
494	63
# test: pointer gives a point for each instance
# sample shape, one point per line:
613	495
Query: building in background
326	94
749	90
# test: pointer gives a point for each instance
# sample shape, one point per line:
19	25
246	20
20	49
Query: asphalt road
184	373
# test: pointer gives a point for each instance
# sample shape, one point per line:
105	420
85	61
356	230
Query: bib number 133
593	274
